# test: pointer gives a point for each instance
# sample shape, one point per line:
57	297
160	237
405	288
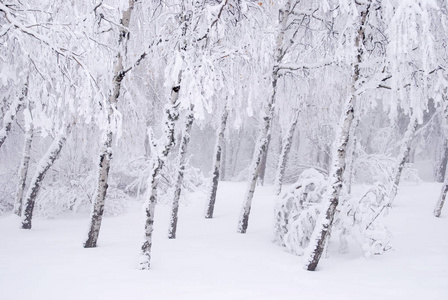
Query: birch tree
36	182
11	115
182	157
189	83
444	192
23	169
292	15
219	143
106	152
286	147
268	112
324	223
161	150
50	67
403	157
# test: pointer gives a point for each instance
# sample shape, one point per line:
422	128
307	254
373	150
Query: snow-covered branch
304	66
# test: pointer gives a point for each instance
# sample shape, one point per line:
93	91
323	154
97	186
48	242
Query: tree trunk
23	171
12	113
442	168
264	161
441	201
172	114
262	143
286	147
402	157
223	162
157	163
351	159
216	166
330	202
235	153
44	165
260	149
96	215
180	174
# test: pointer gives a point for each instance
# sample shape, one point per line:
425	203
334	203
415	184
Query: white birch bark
223	161
331	198
180	174
171	116
286	147
43	166
211	199
264	160
353	140
261	145
402	157
330	201
260	149
11	114
157	163
96	215
443	193
23	171
441	169
442	197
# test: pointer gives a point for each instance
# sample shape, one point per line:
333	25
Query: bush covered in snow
371	168
296	211
361	218
75	194
298	208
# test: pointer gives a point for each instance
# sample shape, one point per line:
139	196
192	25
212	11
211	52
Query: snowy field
209	260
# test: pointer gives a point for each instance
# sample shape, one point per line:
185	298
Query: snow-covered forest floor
209	260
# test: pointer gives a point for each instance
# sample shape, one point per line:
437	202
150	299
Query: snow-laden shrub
410	174
135	175
362	219
379	168
75	194
296	211
7	192
373	168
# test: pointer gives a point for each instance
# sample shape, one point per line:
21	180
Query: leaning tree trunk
211	199
180	174
286	147
261	146
157	163
330	202
23	170
96	215
441	201
44	165
260	149
11	114
402	157
171	116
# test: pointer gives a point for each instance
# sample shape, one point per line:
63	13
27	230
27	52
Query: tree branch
304	66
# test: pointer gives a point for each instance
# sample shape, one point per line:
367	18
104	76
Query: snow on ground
209	260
